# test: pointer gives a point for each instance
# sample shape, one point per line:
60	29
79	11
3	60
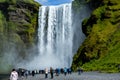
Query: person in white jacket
14	75
46	73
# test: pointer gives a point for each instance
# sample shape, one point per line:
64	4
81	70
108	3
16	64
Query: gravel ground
75	76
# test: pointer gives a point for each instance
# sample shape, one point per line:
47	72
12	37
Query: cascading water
59	36
55	35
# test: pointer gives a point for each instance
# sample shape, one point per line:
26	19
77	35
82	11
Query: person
51	72
26	73
46	73
65	71
33	73
14	75
119	68
62	70
69	71
79	71
56	71
22	73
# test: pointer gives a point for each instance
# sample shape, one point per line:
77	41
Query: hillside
18	24
100	51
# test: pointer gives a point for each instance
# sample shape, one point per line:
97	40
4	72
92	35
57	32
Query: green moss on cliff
100	50
18	27
15	1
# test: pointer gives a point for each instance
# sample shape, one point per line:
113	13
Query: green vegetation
77	4
15	1
100	51
1	22
18	24
2	30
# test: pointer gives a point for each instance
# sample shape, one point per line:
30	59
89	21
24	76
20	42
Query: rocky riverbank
75	76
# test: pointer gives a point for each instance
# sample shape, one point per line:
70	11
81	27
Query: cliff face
18	27
100	50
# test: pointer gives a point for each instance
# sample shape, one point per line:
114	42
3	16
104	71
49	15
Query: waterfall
55	35
59	36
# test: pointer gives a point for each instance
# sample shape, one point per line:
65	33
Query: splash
59	36
55	35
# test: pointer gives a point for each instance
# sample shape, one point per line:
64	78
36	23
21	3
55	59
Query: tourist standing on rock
46	73
51	72
14	75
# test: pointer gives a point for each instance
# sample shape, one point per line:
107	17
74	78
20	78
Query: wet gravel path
75	76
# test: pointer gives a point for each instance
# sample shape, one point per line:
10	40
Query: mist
79	14
8	59
56	45
60	40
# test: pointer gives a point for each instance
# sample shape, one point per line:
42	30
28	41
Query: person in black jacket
51	72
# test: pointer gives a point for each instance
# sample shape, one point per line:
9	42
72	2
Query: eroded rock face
18	28
25	17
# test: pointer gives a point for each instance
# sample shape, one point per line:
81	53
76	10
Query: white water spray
55	35
59	37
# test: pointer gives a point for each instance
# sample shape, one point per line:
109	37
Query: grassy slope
100	50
